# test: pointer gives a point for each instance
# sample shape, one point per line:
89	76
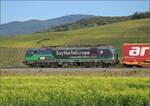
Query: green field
133	31
73	91
12	57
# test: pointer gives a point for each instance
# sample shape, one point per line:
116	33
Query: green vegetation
141	15
12	57
73	91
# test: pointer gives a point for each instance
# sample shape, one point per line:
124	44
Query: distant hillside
27	27
96	21
64	23
85	23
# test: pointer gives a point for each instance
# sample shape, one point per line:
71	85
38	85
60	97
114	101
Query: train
134	55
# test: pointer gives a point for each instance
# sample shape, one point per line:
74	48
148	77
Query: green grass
133	31
115	34
11	57
73	91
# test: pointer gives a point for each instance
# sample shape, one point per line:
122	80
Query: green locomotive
83	56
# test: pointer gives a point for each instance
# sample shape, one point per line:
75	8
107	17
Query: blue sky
26	10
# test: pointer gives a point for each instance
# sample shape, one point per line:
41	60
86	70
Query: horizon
15	11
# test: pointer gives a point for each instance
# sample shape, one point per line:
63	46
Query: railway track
72	69
123	72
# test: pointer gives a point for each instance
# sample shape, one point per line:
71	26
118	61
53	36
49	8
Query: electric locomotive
72	56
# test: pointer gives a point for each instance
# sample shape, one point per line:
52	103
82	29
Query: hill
85	23
133	31
64	23
26	27
127	31
95	21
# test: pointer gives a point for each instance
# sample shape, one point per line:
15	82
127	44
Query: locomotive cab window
30	52
35	51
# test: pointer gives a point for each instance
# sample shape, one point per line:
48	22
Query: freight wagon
83	56
136	54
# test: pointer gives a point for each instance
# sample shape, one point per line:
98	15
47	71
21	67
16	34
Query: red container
136	54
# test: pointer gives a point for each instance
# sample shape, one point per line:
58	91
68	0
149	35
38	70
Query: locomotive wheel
53	65
101	65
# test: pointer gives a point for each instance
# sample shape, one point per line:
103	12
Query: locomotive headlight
113	57
42	58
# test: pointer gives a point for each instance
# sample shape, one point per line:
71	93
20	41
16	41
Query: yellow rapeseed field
73	91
